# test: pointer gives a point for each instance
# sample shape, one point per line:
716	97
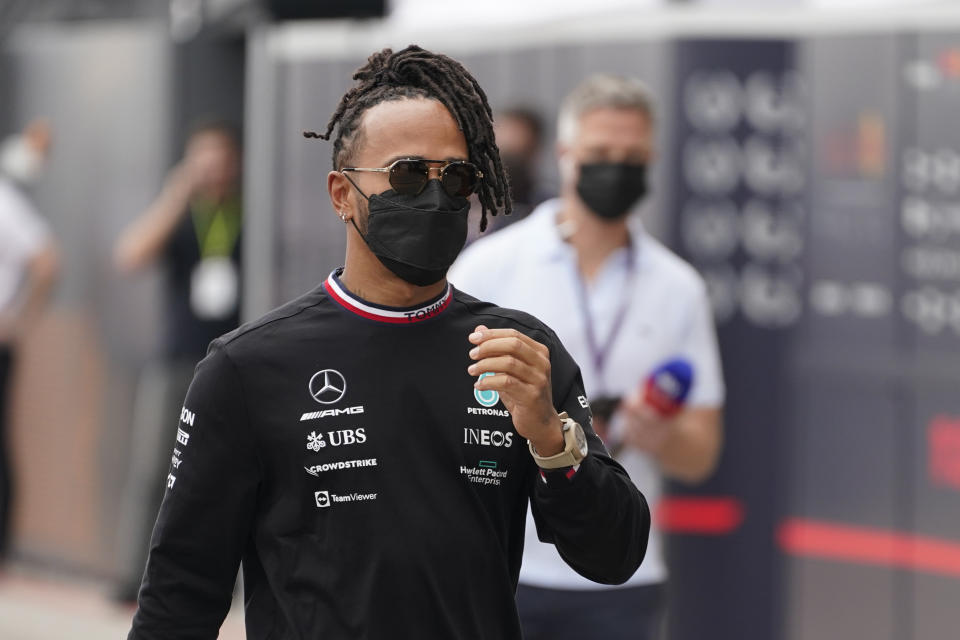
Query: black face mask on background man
416	237
610	189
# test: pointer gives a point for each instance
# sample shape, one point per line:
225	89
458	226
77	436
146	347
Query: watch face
581	440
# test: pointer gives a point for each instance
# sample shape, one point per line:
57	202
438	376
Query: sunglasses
408	176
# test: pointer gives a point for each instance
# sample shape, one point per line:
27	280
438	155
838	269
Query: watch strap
571	454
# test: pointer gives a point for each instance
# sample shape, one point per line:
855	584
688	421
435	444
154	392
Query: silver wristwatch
574	450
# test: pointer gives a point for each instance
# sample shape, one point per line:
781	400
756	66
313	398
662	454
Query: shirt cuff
561	477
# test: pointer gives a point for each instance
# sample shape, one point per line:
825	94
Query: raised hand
521	375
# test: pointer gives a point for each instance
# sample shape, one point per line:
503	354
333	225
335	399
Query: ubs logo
488	397
327	386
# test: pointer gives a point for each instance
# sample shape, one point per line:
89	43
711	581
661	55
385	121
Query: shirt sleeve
205	520
23	229
595	516
700	347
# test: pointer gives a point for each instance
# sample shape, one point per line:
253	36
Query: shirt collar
393	315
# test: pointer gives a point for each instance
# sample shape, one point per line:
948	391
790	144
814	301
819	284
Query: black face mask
416	237
611	189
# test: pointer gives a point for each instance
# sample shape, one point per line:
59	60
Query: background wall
104	87
121	96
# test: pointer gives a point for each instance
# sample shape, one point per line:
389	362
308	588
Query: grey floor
39	605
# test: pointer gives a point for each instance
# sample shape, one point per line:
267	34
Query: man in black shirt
368	450
192	229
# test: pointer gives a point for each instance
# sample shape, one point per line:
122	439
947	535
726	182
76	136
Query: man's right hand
183	181
144	238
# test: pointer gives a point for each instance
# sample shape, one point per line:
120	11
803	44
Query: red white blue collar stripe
393	315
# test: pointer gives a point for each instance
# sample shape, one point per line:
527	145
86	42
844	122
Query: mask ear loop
424	186
354	223
360	191
350	180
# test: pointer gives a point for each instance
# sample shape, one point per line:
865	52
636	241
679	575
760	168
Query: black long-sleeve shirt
339	449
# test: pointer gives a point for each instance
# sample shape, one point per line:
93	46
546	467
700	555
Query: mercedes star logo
327	386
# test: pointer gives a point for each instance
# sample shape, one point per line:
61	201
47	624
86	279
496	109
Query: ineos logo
327	386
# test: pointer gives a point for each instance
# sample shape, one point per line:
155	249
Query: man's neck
593	238
365	277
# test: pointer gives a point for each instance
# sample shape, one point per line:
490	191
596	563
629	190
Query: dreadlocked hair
417	73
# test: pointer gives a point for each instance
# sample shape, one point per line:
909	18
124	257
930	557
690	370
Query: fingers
638	413
630	403
509	385
482	334
508	357
181	178
512	366
520	366
649	414
500	342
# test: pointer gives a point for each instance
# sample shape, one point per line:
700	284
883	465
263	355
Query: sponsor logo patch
331	413
486	473
340	437
487	437
483	411
327	386
317	469
325	499
488	397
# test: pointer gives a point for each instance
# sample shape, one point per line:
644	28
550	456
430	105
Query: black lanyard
598	351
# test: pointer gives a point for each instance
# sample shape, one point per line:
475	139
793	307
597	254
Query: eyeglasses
408	176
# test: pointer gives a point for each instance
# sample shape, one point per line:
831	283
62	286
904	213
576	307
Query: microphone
667	387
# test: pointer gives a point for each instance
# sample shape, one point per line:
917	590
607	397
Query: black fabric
6	472
632	613
417	237
186	335
610	189
160	390
395	511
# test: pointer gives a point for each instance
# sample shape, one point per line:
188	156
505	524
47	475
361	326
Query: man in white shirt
28	267
623	304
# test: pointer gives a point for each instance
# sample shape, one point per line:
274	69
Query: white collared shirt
22	234
529	267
